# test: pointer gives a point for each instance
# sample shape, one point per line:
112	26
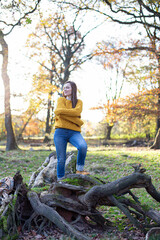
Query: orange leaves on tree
139	105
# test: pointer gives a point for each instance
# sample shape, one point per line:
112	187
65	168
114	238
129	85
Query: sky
90	79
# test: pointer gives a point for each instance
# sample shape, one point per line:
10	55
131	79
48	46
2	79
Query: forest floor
105	162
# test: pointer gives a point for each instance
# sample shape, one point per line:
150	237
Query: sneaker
82	172
59	180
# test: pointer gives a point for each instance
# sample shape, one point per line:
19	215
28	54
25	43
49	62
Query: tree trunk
11	141
158	76
67	65
49	109
109	129
20	137
48	126
156	144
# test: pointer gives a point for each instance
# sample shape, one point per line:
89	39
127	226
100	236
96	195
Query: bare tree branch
19	20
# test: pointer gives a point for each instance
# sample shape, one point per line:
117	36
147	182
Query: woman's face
67	90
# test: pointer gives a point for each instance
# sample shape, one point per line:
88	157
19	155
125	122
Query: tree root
65	204
54	217
154	215
126	212
27	224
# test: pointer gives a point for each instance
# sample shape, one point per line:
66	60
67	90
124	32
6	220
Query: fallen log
47	173
120	187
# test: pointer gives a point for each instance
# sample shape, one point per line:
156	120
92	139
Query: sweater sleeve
75	120
73	112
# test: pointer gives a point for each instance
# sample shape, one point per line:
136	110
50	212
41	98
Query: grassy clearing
21	160
107	163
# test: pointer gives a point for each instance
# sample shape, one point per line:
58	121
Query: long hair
74	93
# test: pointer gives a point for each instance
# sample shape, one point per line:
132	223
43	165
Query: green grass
113	163
107	163
21	160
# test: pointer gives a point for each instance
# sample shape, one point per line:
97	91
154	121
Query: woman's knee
83	147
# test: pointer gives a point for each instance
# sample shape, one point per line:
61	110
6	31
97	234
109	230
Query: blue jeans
61	137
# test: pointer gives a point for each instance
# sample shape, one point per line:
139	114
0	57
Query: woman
68	127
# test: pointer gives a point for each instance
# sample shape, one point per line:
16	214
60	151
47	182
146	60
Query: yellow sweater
66	116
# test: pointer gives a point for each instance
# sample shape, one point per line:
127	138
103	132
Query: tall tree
13	13
144	13
11	141
114	65
142	72
57	44
43	89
